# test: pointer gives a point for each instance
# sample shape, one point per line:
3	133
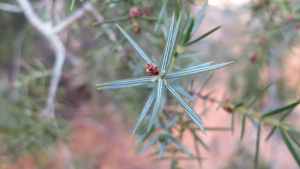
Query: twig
10	7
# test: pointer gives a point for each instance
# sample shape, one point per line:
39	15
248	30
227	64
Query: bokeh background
95	126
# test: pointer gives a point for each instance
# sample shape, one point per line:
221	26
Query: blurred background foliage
264	47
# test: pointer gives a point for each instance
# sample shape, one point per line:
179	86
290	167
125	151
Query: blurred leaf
217	128
259	96
112	21
72	5
205	81
171	123
161	150
179	145
199	140
257	146
243	126
103	30
199	17
150	144
201	37
295	141
162	124
147	18
252	120
135	45
187	33
280	109
162	11
289	146
294	132
232	122
190	55
145	110
143	137
280	120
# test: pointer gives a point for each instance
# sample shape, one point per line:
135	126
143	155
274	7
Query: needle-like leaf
259	96
232	123
199	17
158	100
243	126
174	35
171	123
161	13
124	83
187	32
188	109
196	70
281	109
72	5
151	143
199	140
183	92
179	145
199	66
289	146
161	150
280	120
135	45
145	109
192	54
217	128
257	146
202	36
168	45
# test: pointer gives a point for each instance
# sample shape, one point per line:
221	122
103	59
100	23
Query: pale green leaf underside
151	143
167	48
173	43
188	109
124	83
183	92
145	109
157	103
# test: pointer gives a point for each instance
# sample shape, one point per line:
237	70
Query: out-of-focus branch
17	54
73	17
111	35
10	7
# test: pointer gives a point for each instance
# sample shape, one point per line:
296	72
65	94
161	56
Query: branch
10	7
